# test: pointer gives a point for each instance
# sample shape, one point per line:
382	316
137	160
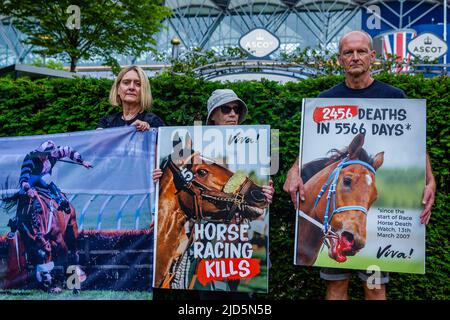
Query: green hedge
61	105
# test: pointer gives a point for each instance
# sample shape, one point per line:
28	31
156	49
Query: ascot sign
259	42
427	46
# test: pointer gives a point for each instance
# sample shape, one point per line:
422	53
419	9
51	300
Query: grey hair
359	31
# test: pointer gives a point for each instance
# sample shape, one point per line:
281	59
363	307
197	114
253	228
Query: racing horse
45	232
194	189
339	192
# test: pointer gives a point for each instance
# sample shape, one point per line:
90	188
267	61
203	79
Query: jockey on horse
39	163
36	167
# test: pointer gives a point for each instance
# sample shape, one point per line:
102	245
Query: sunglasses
226	109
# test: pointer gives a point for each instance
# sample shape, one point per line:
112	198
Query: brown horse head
210	191
353	177
194	188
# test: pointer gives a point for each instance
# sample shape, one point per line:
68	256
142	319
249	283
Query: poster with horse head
76	215
212	216
362	163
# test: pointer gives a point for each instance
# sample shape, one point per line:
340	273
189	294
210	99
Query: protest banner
212	218
363	165
76	215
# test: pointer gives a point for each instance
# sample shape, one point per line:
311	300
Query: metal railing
283	68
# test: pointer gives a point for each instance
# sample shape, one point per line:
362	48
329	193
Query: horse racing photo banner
363	167
212	222
76	215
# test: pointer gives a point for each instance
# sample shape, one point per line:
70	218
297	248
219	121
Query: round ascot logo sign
427	46
259	42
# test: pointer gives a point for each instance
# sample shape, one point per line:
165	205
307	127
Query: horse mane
313	167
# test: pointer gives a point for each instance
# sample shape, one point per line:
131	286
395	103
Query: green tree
82	29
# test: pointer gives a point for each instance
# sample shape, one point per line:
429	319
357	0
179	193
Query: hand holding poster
212	220
363	166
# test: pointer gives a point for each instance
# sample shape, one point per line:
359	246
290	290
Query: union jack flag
395	43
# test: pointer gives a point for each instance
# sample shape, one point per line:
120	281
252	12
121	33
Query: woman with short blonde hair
146	93
131	91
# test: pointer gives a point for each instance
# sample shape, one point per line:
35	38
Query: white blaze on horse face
369	179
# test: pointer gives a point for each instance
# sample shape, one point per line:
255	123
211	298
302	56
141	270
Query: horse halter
331	197
185	180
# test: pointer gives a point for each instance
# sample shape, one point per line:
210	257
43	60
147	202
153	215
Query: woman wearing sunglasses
226	108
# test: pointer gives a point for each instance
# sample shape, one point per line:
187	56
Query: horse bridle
185	180
331	197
